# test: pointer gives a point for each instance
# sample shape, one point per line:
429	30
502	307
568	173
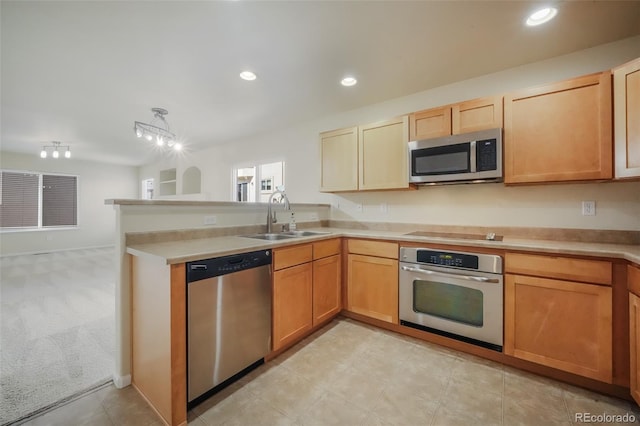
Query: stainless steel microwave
467	158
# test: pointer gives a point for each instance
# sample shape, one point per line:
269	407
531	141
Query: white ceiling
82	72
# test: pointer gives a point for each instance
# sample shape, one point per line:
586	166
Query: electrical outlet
588	208
359	208
210	220
313	216
384	208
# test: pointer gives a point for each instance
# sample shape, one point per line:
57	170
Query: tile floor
352	374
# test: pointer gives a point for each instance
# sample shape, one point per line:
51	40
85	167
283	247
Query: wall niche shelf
167	182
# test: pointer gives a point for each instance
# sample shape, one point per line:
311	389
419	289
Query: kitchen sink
305	233
270	237
285	235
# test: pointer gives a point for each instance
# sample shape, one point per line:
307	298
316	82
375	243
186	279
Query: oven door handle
450	275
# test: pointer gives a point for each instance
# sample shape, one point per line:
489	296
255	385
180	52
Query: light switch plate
359	207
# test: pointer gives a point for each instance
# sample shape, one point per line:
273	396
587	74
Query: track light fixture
157	130
55	150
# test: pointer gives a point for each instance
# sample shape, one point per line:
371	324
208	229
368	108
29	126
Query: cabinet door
430	123
561	324
626	112
383	154
477	114
339	156
291	304
326	288
634	340
372	287
559	132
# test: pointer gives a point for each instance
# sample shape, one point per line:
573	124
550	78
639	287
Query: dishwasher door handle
198	267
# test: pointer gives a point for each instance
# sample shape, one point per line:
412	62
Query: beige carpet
57	327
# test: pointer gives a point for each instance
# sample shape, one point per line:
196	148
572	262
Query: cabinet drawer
326	248
373	248
564	268
291	256
633	279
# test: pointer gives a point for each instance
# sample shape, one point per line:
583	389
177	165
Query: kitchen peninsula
162	254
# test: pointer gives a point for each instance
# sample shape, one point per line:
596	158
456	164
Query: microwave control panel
486	155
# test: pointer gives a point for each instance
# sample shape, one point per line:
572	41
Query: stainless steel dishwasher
228	319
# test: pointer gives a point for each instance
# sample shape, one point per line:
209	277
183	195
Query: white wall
97	223
618	205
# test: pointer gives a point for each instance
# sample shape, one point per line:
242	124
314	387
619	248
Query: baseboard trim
122	381
28	253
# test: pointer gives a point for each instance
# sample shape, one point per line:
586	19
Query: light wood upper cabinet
367	157
430	123
383	158
559	132
626	98
339	156
478	114
561	324
464	117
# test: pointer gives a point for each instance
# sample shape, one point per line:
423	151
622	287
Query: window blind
19	199
59	200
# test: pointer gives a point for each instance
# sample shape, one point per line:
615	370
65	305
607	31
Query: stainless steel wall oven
455	294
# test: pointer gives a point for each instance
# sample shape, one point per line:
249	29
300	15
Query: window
256	183
266	185
33	200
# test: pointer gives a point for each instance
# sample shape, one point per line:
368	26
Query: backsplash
511	232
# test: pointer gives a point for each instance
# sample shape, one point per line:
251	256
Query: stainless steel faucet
271	215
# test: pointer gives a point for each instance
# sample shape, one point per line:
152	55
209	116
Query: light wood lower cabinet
562	324
372	287
307	289
158	336
633	284
292	303
326	288
634	340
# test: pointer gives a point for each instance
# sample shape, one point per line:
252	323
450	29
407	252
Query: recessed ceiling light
541	16
247	75
348	81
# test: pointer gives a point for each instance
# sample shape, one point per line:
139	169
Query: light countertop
203	248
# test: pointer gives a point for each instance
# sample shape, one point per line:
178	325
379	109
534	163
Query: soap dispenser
292	222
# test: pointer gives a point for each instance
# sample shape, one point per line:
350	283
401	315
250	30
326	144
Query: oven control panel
445	258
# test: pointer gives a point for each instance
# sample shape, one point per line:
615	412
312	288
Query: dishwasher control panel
209	268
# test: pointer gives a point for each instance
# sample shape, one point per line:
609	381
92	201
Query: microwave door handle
449	275
472	157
